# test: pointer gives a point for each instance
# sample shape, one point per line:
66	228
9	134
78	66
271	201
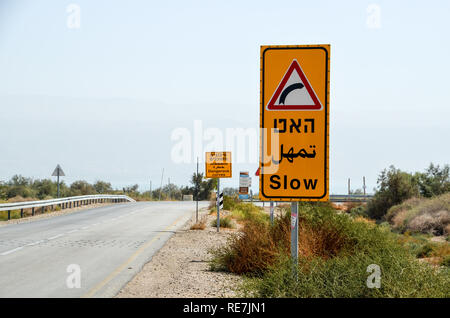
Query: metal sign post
271	212
57	173
218	165
294	122
294	236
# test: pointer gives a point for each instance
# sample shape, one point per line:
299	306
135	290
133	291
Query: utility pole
364	185
160	188
348	186
196	196
151	189
169	188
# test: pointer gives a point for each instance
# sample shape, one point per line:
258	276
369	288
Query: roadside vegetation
404	230
422	215
334	253
21	189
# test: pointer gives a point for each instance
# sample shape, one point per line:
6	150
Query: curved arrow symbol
289	89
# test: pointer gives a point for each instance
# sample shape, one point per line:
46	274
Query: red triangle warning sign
294	92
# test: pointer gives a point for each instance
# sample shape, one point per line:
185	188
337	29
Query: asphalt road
104	247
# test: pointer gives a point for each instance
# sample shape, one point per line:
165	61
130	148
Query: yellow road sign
294	118
218	164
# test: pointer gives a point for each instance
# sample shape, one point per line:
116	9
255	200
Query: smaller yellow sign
218	164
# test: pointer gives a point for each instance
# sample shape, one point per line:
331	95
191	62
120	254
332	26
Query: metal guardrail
335	198
63	203
350	198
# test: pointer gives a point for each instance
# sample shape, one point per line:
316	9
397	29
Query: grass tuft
225	222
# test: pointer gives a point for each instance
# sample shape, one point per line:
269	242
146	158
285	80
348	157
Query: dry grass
200	225
364	220
259	245
430	222
225	222
252	250
18	198
334	251
324	242
442	250
338	207
431	216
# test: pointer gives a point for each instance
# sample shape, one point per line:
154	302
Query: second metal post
218	204
294	236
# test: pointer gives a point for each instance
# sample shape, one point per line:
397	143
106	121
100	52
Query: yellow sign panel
218	165
294	119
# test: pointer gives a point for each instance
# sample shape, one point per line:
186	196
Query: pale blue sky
136	70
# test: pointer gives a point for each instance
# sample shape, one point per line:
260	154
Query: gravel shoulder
180	268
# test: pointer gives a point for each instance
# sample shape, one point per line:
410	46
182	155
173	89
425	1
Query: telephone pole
196	196
364	185
151	189
169	189
160	188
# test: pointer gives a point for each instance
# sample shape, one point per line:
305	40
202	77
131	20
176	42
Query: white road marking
73	231
54	237
12	251
35	243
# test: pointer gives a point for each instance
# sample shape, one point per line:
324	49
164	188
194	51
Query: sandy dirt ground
180	268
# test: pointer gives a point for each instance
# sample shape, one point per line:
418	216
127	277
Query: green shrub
15	214
446	261
394	186
334	253
225	222
434	181
359	211
425	250
230	202
347	276
424	215
249	212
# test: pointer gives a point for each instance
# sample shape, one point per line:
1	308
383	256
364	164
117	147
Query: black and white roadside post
219	203
219	198
294	237
58	172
